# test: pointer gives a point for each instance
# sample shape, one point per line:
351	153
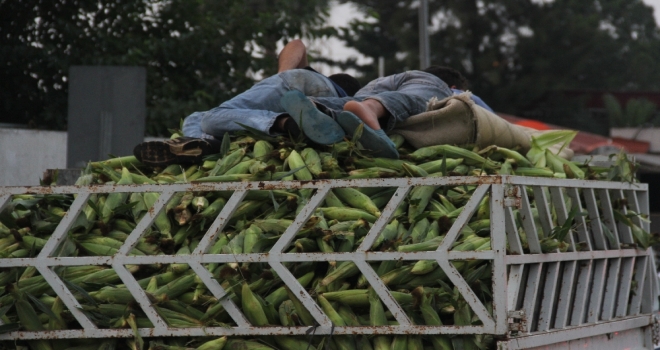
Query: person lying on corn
324	118
301	101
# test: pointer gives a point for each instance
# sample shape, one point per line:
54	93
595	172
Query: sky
341	14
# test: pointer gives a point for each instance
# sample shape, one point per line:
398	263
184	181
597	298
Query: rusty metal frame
518	282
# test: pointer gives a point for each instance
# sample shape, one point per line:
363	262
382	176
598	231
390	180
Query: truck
596	287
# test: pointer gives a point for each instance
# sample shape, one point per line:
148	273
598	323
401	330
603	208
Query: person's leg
368	112
192	125
314	124
292	56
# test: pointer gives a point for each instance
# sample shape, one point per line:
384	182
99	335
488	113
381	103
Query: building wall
650	135
25	155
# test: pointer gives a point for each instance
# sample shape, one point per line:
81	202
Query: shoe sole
164	153
317	126
377	142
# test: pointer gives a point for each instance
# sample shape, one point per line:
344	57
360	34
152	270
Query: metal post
381	66
424	54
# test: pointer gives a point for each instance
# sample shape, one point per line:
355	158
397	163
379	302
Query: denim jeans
403	95
259	106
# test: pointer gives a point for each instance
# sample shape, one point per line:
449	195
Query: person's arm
292	56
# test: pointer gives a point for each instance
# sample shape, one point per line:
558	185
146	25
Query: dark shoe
183	150
317	126
375	140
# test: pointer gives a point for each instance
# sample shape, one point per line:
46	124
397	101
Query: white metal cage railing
590	283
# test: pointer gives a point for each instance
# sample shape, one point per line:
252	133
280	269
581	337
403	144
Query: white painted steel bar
596	296
543	339
655	280
253	257
514	288
608	217
140	297
532	293
300	293
220	221
555	182
580	302
383	293
627	268
498	245
634	204
562	215
145	223
568	256
582	233
641	271
65	295
649	292
565	301
567	281
477	306
513	238
529	226
611	287
543	208
63	227
624	230
286	275
287	185
221	294
595	223
57	261
384	219
272	185
643	201
239	331
4	200
463	218
549	296
299	221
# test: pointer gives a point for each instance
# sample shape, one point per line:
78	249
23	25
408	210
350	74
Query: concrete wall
650	135
26	154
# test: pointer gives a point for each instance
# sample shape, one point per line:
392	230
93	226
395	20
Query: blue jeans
403	95
259	106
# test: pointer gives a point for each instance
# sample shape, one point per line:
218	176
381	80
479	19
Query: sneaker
317	126
375	140
182	150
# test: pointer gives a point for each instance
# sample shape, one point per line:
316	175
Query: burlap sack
457	120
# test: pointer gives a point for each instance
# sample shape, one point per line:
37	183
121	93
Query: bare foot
368	111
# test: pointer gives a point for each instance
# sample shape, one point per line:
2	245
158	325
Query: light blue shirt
476	100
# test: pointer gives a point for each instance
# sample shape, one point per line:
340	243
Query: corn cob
357	199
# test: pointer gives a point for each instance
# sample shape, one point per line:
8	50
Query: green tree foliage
519	54
638	111
197	53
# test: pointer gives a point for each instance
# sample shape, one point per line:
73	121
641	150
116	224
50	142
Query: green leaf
41	306
10	327
81	291
290	172
94	207
258	134
226	144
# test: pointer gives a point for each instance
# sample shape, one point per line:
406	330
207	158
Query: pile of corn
422	289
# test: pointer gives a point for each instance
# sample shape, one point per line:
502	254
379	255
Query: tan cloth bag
457	120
